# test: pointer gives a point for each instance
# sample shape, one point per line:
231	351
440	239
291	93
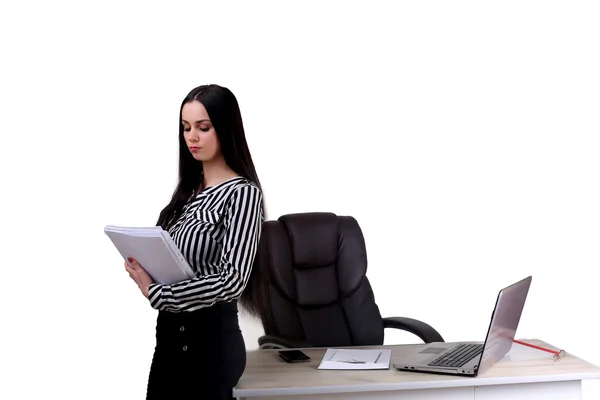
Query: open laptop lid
504	323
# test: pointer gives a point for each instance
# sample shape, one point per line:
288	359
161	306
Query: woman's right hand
139	275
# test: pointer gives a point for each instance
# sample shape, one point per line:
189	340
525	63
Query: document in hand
154	249
356	359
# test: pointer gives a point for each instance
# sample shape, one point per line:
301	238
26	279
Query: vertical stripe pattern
218	233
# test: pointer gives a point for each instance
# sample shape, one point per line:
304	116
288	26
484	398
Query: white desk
268	378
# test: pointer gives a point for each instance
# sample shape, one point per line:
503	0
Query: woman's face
199	133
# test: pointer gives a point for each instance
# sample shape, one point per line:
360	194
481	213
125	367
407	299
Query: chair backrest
317	289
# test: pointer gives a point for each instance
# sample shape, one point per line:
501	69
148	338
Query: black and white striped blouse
218	233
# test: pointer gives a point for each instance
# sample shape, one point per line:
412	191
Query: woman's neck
216	171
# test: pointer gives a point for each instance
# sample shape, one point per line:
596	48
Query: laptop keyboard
457	357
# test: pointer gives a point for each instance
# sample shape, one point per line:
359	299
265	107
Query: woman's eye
204	129
186	129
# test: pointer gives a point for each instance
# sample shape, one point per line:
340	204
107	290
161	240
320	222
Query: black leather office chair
314	267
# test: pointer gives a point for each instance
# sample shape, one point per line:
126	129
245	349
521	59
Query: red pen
557	355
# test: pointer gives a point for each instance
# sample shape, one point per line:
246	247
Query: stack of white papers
154	249
356	359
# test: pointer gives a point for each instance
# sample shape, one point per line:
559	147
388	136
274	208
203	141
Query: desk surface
267	375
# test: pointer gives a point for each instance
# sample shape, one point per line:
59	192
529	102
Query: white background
463	136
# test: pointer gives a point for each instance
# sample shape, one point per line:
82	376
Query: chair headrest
313	238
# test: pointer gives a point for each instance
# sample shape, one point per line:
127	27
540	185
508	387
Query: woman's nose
194	135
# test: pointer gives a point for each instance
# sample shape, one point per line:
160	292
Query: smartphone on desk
293	356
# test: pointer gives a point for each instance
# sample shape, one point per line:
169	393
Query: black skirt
198	355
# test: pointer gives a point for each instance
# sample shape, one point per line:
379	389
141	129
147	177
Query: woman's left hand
139	275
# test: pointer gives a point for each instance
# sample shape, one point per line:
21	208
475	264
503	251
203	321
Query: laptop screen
504	323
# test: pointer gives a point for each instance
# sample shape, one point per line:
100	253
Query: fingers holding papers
139	275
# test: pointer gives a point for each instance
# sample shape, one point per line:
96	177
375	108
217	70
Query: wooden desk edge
402	386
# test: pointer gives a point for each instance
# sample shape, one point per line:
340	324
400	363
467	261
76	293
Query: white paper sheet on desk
356	359
518	352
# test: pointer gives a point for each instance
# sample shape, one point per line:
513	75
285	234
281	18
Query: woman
215	217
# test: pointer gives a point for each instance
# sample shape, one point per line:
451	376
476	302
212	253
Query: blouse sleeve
243	225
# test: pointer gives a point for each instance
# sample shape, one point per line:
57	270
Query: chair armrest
424	331
277	342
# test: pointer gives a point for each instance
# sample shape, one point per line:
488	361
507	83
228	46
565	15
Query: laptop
469	358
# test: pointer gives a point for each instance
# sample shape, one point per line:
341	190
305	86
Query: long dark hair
224	112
